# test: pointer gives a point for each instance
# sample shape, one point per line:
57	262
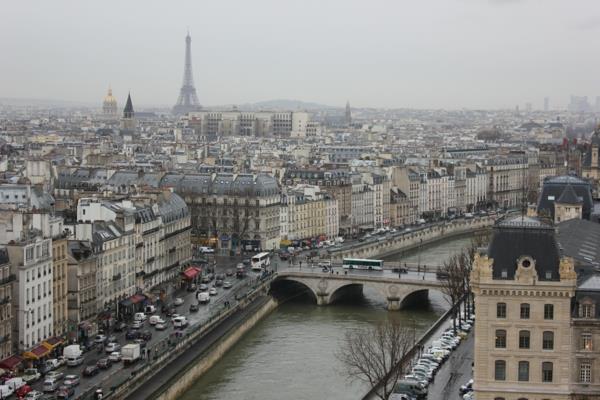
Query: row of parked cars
413	386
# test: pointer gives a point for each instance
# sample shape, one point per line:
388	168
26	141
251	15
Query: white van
6	391
180	322
155	319
139	316
150	309
15	383
204	297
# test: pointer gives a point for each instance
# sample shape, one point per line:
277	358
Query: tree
374	355
452	278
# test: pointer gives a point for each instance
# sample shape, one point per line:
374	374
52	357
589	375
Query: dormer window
586	310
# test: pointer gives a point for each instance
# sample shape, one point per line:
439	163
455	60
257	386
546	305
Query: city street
454	373
158	343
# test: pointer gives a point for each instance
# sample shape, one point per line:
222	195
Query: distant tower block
348	118
109	105
188	100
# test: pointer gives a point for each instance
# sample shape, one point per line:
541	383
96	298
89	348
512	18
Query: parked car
34	395
178	301
110	347
212	291
120	326
65	392
227	285
130	335
90	370
55	375
104	363
206	250
115	356
467	387
71	380
31	375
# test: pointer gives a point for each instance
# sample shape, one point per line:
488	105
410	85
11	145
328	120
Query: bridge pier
322	299
393	303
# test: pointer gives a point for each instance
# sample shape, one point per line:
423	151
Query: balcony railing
8	279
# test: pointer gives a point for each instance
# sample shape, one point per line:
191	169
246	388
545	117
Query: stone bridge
328	287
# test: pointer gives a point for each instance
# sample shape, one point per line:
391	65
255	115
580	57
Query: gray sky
376	53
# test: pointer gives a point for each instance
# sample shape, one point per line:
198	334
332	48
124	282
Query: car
56	375
284	256
227	285
467	387
31	375
146	335
191	287
229	272
115	356
469	396
205	279
175	316
104	363
23	391
194	307
50	385
206	250
65	392
160	327
130	335
120	326
137	324
218	282
178	301
71	380
111	347
90	370
150	309
34	395
52	364
100	339
212	291
203	288
170	312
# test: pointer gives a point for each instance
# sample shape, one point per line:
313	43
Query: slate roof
171	207
223	184
518	236
568	196
553	188
580	239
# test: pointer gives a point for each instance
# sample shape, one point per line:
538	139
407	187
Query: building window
524	311
546	372
501	310
524	339
586	341
585	371
548	311
500	339
523	371
548	340
586	310
500	370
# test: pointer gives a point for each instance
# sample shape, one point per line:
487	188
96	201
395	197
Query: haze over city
433	54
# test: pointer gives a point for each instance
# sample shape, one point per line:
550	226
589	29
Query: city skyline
461	55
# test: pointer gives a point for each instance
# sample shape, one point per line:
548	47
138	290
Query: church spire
128	110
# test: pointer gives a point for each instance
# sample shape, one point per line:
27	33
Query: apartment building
6	281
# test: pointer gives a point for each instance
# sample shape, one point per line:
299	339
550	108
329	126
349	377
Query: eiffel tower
188	100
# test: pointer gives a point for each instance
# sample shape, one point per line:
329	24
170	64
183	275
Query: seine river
290	354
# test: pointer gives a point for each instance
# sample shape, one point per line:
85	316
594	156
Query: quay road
117	373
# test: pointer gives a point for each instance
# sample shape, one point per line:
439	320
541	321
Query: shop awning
191	273
51	343
135	299
11	362
37	352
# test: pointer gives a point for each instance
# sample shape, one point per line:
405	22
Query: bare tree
374	355
453	276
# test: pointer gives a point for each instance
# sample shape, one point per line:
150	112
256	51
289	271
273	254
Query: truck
73	355
130	353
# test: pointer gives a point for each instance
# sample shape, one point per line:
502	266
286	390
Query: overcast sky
375	53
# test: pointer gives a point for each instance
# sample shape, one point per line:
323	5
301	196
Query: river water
290	354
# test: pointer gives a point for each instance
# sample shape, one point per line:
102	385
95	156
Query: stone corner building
523	293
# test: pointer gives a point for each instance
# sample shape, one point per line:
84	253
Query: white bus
359	263
260	261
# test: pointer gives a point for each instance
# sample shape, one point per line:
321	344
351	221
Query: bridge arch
285	289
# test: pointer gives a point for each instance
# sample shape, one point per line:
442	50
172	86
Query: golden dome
109	99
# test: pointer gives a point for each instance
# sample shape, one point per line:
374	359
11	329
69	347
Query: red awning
191	272
11	362
37	352
137	298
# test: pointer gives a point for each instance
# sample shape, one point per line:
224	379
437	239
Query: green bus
359	263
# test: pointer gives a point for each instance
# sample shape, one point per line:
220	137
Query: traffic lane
92	357
454	373
313	268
